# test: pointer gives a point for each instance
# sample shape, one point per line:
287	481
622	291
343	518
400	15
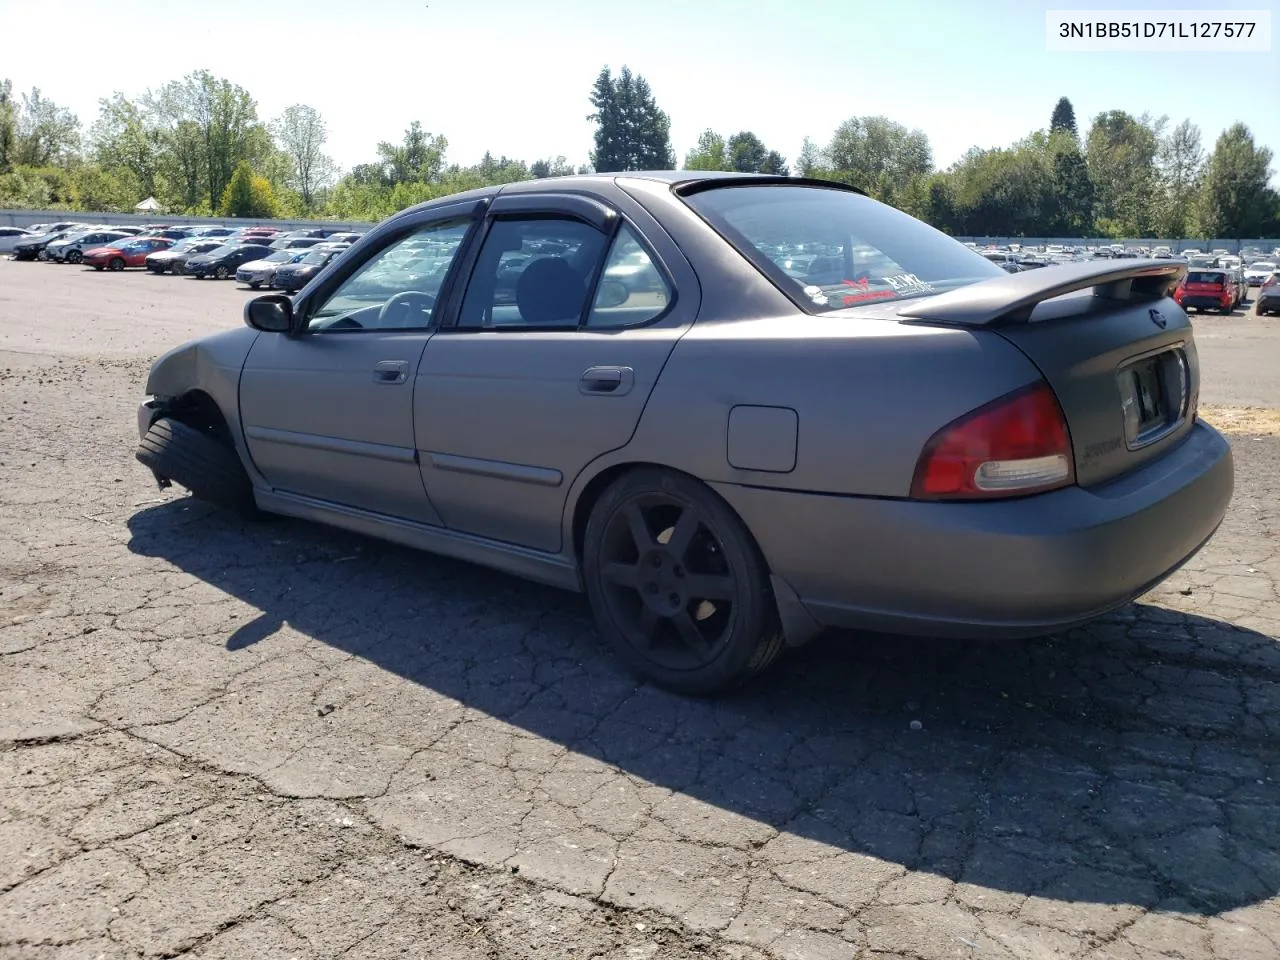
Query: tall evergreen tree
1064	117
632	133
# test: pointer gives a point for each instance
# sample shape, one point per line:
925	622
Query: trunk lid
1121	359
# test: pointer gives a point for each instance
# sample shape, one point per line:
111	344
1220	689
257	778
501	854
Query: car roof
676	178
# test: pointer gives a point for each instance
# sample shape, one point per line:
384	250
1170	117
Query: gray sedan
725	456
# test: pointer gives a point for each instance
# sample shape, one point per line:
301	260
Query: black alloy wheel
74	256
677	584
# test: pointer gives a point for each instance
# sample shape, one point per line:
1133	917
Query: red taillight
1015	445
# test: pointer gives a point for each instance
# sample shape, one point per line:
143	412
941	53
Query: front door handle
607	381
391	371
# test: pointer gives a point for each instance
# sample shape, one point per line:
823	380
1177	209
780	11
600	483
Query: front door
565	324
328	413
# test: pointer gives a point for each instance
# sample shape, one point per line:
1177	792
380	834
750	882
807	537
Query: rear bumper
1017	568
1205	303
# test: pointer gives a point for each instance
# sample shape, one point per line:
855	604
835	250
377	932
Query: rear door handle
607	381
391	371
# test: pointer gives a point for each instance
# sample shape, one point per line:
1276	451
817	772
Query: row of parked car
256	256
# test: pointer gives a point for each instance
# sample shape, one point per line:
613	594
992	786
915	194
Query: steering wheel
426	302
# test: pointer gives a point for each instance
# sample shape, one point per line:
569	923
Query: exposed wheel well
197	409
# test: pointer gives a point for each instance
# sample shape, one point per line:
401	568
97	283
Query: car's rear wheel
678	586
199	460
220	272
116	263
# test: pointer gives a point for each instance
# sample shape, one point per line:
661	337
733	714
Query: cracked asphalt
276	740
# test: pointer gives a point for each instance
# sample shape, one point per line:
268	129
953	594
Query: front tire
220	272
198	460
116	264
677	584
75	256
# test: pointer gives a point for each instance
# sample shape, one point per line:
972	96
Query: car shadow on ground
1131	762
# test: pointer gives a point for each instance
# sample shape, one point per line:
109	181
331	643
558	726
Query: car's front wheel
199	460
677	584
75	256
116	263
220	272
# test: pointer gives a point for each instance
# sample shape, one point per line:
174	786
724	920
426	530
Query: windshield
223	250
830	249
317	256
279	256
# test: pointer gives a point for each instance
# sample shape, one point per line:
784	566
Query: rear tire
677	584
200	461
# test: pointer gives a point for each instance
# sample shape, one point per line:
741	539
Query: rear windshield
829	249
1206	276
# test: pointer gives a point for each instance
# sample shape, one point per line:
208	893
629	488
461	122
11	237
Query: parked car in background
1257	272
343	237
1206	290
292	277
11	236
224	261
71	249
1268	298
174	259
34	247
1239	283
257	273
125	253
295	243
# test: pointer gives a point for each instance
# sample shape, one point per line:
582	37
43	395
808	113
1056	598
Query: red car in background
132	252
1206	290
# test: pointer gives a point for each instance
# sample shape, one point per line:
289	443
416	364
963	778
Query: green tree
418	158
559	167
300	133
775	163
1070	205
632	133
810	162
878	155
1120	151
1064	118
45	133
746	152
1180	171
8	125
709	154
248	194
125	143
1237	200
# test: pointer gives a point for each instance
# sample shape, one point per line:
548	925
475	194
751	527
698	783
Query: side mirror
270	313
612	293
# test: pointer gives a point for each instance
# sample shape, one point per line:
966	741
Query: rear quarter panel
867	395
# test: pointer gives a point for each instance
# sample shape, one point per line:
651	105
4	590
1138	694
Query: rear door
548	365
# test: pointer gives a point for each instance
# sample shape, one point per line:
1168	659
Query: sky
513	76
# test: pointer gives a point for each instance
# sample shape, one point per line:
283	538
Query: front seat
549	292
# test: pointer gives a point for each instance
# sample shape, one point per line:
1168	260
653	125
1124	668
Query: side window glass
397	289
532	273
632	289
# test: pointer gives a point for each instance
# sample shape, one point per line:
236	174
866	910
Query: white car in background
1255	275
258	272
11	236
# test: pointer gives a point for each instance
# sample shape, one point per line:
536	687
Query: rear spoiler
1012	298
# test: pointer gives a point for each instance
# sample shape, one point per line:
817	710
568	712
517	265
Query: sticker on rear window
908	283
